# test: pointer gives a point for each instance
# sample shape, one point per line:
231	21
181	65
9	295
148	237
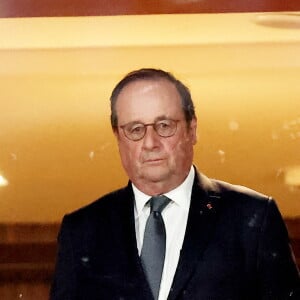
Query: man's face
154	164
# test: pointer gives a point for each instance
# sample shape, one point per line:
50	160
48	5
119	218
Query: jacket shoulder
234	198
228	189
245	204
102	207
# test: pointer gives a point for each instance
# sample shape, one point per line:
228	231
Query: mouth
153	161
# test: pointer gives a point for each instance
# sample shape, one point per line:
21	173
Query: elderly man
171	233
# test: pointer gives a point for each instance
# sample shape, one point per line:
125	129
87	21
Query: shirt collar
181	195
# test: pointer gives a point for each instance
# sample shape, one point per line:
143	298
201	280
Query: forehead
146	100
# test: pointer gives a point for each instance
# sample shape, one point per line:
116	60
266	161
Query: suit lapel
127	236
200	226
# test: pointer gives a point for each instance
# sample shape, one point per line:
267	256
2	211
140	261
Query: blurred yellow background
57	151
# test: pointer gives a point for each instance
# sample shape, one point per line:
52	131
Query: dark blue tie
154	244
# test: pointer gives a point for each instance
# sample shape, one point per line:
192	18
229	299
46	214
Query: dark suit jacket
236	247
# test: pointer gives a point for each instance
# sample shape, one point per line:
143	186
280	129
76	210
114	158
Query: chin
155	174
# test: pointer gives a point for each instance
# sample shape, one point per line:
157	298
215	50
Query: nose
151	139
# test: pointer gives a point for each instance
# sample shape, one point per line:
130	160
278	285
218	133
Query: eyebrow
159	118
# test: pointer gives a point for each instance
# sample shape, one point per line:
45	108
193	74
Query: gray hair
153	74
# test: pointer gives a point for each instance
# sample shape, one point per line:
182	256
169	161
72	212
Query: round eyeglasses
136	131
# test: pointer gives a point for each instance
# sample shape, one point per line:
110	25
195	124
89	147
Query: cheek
180	150
174	150
129	154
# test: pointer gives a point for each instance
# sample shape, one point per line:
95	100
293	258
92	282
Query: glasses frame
147	125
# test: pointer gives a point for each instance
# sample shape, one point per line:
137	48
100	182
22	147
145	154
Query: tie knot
158	203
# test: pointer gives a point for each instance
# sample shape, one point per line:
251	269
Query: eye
162	125
136	128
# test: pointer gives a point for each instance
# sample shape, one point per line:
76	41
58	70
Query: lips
153	160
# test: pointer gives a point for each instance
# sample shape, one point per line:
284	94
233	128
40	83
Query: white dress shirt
175	217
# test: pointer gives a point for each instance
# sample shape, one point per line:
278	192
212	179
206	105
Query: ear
193	130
